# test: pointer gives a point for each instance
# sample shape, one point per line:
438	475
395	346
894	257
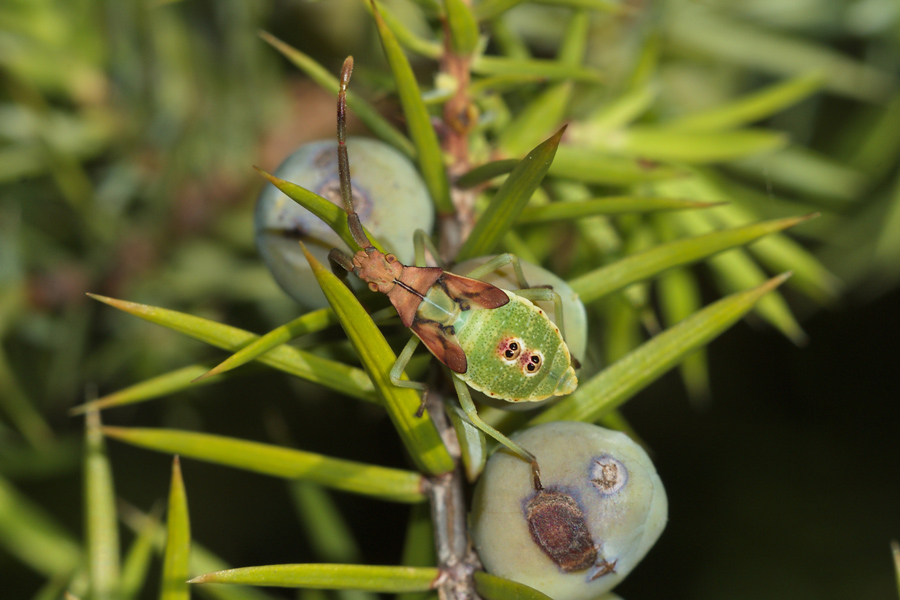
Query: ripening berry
601	509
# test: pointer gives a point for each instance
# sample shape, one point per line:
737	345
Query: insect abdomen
514	352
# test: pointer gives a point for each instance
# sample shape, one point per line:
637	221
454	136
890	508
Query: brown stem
455	556
460	117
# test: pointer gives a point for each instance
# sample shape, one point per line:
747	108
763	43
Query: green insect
496	341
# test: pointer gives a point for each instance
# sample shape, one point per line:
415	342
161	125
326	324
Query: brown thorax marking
381	271
404	286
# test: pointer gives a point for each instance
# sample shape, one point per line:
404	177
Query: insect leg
422	241
497	263
400	364
336	257
356	230
547	295
465	400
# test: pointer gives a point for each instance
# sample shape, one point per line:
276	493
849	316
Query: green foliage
691	135
330	577
388	484
419	434
102	544
509	200
177	554
491	587
621	380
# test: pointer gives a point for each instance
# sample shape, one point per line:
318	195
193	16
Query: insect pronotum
496	341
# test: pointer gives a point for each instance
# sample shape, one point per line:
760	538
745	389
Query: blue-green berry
602	507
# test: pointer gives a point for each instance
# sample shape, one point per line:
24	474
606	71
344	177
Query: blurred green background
128	130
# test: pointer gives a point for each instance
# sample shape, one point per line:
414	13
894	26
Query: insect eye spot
510	349
531	363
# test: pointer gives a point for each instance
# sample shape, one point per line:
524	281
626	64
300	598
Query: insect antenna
353	223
